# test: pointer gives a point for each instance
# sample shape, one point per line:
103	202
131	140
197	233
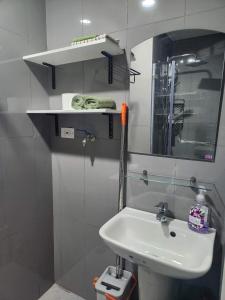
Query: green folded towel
78	102
96	103
92	37
92	102
84	37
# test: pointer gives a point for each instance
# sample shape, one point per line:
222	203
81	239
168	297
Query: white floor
58	293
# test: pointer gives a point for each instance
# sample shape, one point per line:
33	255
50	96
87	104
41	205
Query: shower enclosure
186	89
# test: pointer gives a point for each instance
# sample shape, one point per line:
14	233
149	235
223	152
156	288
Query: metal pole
120	262
170	117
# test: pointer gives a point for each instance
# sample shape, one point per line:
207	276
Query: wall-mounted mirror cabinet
176	99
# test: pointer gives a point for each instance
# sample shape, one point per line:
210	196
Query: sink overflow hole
173	234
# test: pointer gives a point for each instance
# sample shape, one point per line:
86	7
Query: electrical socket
67	133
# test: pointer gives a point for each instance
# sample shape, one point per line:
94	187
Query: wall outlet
67	133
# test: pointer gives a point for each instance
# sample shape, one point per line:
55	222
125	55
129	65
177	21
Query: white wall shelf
86	111
57	112
80	52
76	53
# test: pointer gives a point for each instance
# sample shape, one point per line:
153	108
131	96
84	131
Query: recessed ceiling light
85	21
148	3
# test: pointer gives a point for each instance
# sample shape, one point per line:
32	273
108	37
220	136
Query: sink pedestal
153	286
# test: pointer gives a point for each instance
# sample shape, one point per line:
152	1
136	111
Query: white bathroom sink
171	249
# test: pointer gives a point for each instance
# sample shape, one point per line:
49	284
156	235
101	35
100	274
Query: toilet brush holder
108	287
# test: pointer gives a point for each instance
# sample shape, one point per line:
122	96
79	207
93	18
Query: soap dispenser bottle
199	214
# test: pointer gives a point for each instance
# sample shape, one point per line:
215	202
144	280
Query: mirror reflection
176	94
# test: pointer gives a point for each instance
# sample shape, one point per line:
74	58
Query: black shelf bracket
110	119
133	73
56	120
110	66
110	126
52	67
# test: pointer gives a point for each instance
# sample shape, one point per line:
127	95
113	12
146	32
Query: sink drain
173	234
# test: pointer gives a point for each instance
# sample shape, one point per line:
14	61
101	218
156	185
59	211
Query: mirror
176	94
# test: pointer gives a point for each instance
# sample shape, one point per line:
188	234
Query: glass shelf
170	181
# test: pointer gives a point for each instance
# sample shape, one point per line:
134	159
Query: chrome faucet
162	214
88	136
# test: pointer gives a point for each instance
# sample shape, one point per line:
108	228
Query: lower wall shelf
55	113
86	111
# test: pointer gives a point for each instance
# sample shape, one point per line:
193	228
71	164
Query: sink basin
170	249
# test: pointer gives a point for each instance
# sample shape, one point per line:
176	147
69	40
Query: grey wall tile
182	203
13	46
139	34
63	22
39	87
92	239
102	159
99	125
137	138
74	279
73	243
68	179
212	20
25	282
154	165
96	79
162	10
105	16
14	16
37	25
19	174
147	196
69	79
193	6
18	125
15	86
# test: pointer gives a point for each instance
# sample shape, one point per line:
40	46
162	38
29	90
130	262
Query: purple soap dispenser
199	213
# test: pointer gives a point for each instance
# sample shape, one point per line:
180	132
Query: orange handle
124	114
109	297
94	280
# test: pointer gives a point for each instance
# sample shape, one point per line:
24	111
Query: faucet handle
162	206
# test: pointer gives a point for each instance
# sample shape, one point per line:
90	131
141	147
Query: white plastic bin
67	100
115	288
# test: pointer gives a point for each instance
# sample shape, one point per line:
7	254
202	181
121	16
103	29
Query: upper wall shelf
93	49
76	53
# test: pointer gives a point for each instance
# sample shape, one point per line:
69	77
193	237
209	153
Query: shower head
188	59
195	62
181	56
